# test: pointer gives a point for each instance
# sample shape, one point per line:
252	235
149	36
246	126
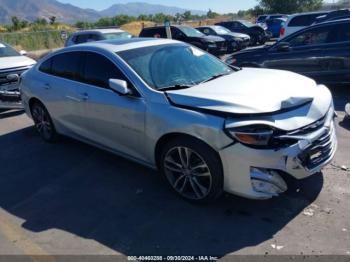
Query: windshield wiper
174	87
215	77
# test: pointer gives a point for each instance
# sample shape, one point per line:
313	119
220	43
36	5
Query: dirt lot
70	198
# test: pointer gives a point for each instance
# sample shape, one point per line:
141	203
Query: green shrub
33	40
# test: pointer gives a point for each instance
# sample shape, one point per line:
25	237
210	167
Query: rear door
115	121
337	60
62	91
307	54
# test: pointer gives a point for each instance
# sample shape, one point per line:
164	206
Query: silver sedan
208	127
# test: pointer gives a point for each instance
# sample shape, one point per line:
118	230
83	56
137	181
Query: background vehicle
262	18
321	52
171	106
96	35
212	44
274	26
297	22
334	15
12	65
257	33
234	41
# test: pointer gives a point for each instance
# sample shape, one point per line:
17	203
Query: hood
239	35
211	38
15	61
249	91
252	51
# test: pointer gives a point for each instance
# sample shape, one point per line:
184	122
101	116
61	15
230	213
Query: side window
303	20
176	33
67	65
45	67
81	38
343	33
206	31
98	70
312	37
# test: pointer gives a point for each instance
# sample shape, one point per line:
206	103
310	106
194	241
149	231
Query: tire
198	176
43	123
253	40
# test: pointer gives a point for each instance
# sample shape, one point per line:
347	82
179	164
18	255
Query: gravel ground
70	198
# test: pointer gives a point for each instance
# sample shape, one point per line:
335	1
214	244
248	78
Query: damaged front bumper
10	97
255	173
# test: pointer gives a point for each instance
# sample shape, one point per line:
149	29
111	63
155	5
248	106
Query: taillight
282	31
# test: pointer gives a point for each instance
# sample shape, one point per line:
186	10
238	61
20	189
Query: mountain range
32	9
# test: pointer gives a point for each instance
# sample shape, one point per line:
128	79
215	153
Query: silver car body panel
132	126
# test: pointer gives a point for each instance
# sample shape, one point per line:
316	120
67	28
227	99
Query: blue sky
223	6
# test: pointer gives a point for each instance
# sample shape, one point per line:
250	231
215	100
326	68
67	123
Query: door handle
47	86
84	96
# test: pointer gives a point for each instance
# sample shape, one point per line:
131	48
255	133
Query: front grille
221	45
9	90
319	151
4	73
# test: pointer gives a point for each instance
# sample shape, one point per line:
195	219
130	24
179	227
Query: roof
124	44
103	31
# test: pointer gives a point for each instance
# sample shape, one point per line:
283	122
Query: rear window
153	32
303	20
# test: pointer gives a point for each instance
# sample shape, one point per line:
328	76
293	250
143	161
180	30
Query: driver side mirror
283	47
119	86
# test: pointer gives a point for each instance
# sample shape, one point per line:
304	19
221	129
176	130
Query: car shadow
341	96
10	113
93	194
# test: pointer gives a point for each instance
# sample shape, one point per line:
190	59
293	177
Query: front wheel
43	122
192	169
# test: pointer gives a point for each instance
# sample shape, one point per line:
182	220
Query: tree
187	15
15	23
290	6
52	20
211	14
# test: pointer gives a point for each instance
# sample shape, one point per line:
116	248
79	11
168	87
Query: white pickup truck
12	65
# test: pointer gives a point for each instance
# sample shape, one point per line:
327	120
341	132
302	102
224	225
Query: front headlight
257	135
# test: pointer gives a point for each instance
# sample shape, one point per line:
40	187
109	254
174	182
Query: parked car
85	36
234	41
212	44
206	126
321	52
297	22
263	18
347	110
257	33
274	26
12	65
334	15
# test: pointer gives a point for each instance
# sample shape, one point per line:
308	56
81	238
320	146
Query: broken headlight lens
256	135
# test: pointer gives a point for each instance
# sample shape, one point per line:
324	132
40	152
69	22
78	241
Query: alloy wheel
42	122
188	173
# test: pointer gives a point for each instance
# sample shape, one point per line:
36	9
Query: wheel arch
177	135
32	101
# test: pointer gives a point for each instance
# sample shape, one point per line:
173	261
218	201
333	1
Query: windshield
6	51
221	30
261	18
172	65
117	35
191	32
247	23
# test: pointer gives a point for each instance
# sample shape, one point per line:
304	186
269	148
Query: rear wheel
192	169
43	122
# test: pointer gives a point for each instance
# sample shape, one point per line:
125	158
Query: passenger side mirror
119	86
23	52
283	47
